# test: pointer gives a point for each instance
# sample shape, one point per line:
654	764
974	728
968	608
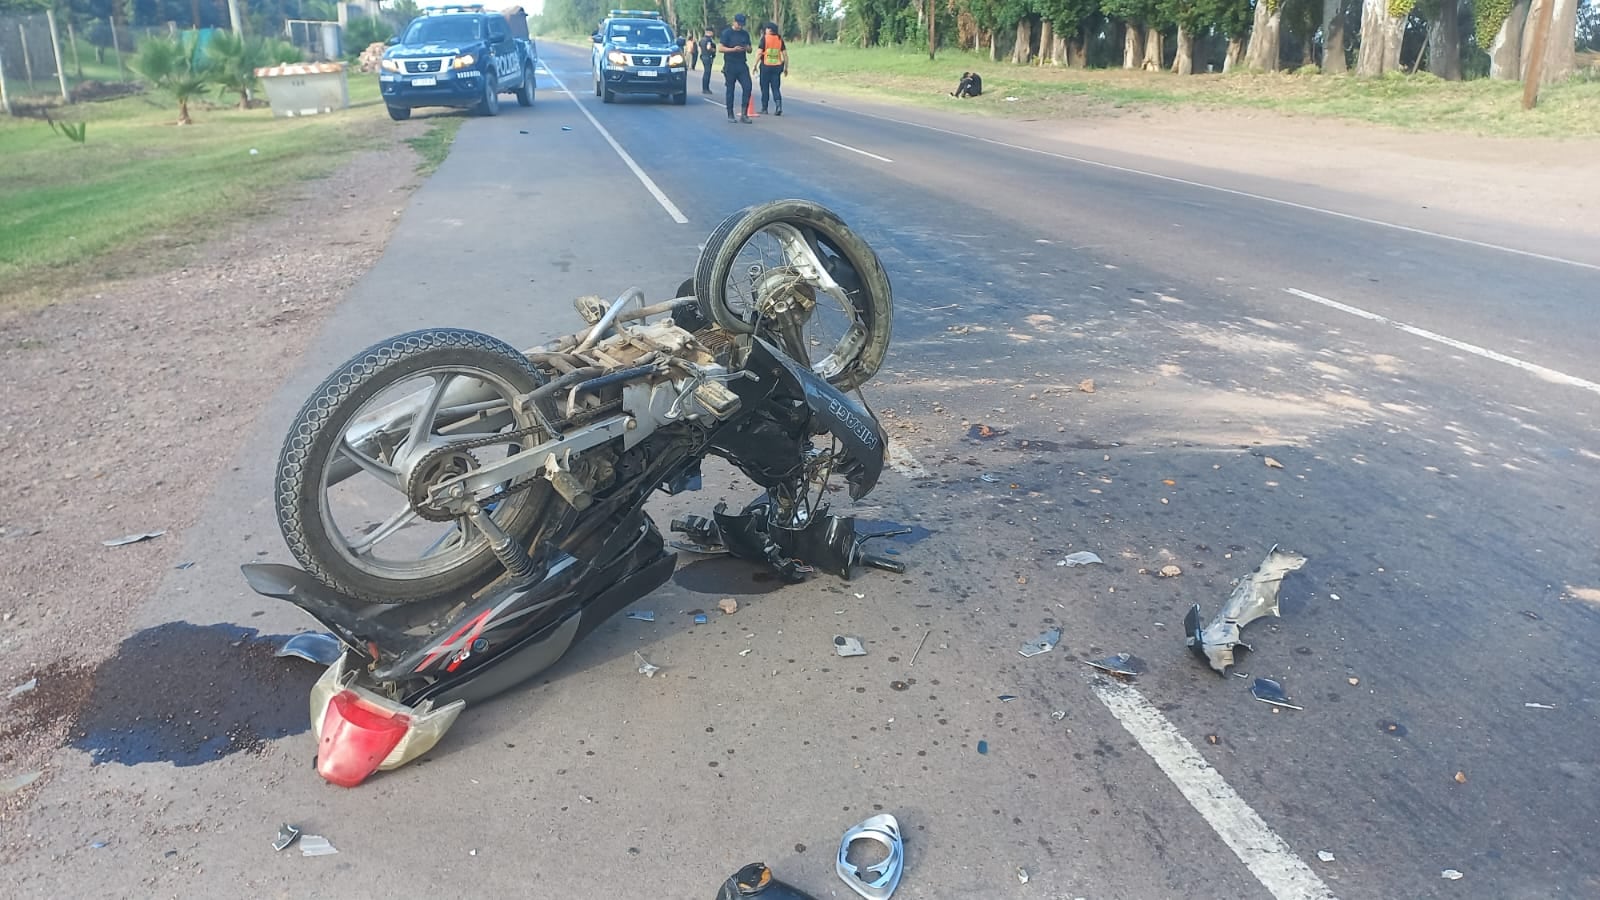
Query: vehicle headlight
463	61
617	58
675	60
391	65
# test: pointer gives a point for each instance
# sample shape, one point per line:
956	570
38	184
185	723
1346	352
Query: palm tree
233	60
170	64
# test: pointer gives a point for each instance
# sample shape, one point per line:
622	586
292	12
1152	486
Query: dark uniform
736	65
708	55
773	54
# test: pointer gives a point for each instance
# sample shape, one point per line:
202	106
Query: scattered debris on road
313	646
1271	692
1125	664
1353	680
1059	714
642	615
700	618
645	668
756	878
728	605
18	782
1081	558
1007	698
878	880
992	479
1022	875
1390	726
982	432
184	566
1461	778
316	845
22	688
1255	596
1325	856
1169	571
914	653
1538	706
1086	385
1451	875
1272	463
1044	643
845	645
983	748
747	651
287	834
133	538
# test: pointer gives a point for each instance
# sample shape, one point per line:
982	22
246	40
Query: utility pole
235	18
55	48
1535	70
932	37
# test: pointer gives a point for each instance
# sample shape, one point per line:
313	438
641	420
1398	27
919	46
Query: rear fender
863	440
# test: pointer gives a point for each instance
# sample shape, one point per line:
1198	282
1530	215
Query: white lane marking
1265	854
1237	193
818	137
901	460
1547	374
661	198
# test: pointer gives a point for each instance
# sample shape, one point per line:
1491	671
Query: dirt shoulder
121	405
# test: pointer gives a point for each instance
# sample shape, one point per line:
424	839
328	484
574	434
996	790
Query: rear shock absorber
519	564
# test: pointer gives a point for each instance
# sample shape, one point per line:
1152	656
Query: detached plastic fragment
642	615
1270	692
132	538
22	688
845	645
876	881
1044	643
313	646
645	668
755	880
359	731
1081	558
286	835
1121	664
316	845
1255	596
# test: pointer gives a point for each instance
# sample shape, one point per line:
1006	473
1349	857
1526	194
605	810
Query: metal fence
29	54
94	58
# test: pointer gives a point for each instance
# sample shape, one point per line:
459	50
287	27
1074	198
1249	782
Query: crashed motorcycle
463	512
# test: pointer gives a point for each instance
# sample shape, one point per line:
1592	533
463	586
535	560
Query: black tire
680	98
310	447
490	104
608	96
862	276
399	113
597	89
525	91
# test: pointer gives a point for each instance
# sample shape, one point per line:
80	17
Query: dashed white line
818	137
1547	374
1266	855
901	460
661	198
1235	192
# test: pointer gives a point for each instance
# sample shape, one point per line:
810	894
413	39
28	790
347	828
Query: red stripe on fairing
475	627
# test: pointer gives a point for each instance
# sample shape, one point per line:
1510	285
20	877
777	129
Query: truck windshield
442	30
642	35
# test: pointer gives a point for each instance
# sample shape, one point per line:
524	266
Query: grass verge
72	214
433	145
1420	102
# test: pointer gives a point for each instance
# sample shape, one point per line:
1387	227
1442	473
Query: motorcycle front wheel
352	466
784	252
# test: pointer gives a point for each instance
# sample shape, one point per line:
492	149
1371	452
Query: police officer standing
708	54
735	49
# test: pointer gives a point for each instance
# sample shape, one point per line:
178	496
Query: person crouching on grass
774	56
735	50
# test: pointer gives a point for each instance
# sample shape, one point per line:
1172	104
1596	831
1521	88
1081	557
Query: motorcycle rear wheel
344	453
781	243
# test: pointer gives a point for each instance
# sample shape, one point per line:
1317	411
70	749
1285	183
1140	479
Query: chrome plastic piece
877	881
1255	596
1044	643
313	646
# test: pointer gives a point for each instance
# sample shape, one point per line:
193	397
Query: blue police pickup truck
636	53
458	56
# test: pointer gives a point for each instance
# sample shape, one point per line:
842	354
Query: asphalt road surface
1408	399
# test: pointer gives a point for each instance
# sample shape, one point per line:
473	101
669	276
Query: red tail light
360	731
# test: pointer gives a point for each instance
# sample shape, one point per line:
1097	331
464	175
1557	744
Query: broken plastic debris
1007	698
728	605
98	845
1086	385
187	564
983	748
642	615
566	128
1268	691
645	668
1451	875
1044	643
878	880
747	651
1325	856
1059	714
316	845
848	646
1081	558
1255	596
1538	706
756	879
18	782
1169	572
989	478
133	538
286	835
1272	463
1022	875
700	618
313	646
22	688
1120	664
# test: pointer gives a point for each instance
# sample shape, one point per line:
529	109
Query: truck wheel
399	113
680	98
609	96
490	104
597	85
525	92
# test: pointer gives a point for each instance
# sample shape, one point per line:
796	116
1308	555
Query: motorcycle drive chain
418	485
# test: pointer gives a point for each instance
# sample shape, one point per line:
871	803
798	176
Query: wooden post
116	47
932	36
1541	36
55	48
27	59
5	98
72	38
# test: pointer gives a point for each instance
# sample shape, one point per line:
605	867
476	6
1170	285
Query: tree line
1449	38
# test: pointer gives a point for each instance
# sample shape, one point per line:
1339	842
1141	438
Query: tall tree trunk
1059	54
994	47
1024	48
1394	38
183	112
1046	42
1264	37
1306	57
1132	45
1444	42
1333	37
1505	52
1183	63
1155	49
1374	26
1559	59
1235	54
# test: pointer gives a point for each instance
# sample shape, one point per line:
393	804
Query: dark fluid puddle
190	694
726	576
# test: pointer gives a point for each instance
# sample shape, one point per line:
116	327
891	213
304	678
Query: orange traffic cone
750	106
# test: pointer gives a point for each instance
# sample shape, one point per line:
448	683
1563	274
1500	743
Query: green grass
433	145
140	186
1417	102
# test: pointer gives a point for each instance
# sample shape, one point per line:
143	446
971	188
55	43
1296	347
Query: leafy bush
173	64
365	31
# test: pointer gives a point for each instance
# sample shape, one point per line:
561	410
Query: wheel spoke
381	471
394	523
422	421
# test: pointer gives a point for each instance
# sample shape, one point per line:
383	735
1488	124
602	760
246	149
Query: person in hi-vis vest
774	56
